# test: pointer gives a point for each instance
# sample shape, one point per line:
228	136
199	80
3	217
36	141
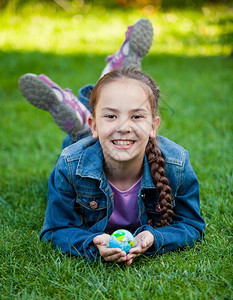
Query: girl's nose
124	127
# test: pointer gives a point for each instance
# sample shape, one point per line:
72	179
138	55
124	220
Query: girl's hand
109	254
143	241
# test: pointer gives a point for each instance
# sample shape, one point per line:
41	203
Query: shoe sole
42	96
140	42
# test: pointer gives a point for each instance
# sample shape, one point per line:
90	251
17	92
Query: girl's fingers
129	262
136	250
143	241
105	252
97	241
117	256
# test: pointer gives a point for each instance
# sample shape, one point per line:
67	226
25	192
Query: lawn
191	60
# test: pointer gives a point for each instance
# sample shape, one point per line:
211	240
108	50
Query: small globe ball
122	239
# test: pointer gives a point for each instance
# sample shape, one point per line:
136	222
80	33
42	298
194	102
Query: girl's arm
187	226
62	226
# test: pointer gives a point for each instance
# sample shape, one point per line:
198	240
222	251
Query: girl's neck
124	175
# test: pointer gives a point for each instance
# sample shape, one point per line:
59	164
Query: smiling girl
117	172
123	176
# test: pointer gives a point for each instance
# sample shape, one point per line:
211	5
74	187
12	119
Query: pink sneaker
69	113
136	45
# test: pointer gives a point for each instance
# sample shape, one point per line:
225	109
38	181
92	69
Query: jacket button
93	204
158	208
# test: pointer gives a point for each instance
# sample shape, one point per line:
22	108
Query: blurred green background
182	27
191	59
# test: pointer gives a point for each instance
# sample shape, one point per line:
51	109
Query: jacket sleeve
187	226
62	226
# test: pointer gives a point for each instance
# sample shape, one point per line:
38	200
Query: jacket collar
147	181
91	162
91	165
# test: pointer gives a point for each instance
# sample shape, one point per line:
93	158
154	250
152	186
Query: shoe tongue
125	49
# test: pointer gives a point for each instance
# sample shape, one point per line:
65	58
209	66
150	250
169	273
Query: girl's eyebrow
132	110
140	109
110	108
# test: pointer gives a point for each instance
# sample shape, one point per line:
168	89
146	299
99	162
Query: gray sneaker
69	113
136	45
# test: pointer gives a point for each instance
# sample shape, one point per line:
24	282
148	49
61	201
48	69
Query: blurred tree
3	3
138	3
18	3
68	4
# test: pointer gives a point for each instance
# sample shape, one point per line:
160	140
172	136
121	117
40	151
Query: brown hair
154	155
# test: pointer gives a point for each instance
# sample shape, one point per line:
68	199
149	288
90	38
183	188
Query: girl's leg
138	39
84	95
69	113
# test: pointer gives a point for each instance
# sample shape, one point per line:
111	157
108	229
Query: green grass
194	71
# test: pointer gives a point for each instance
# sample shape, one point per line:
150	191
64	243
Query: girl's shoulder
76	149
83	158
172	152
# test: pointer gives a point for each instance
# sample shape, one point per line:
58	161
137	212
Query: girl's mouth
122	142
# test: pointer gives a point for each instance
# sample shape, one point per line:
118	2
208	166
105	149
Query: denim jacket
80	200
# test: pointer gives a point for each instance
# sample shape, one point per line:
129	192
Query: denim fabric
78	181
84	95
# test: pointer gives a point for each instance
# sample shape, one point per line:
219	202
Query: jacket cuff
91	253
158	239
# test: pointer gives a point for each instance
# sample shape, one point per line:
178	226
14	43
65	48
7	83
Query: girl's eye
137	117
110	116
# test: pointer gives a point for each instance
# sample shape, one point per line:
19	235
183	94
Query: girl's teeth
123	142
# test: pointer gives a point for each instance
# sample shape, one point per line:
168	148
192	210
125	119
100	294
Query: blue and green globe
122	239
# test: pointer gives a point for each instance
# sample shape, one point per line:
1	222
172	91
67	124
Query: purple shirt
125	212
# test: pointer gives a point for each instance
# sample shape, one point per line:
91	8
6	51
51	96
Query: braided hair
157	168
154	155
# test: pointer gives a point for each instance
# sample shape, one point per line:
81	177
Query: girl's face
123	121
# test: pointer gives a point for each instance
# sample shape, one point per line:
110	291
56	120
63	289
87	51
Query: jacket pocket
91	208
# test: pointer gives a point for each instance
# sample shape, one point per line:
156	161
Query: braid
157	166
